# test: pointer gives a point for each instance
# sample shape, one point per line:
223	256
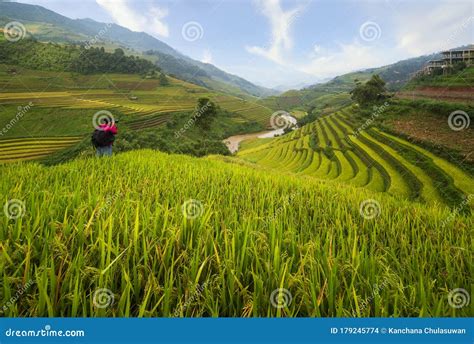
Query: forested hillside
48	26
32	54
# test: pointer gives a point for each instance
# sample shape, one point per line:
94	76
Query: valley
331	148
352	197
61	105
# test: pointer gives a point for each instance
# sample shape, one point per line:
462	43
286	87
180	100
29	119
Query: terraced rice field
32	148
253	231
330	149
148	110
247	110
102	100
139	103
149	121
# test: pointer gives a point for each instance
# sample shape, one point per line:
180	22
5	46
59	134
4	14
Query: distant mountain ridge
396	75
335	93
47	25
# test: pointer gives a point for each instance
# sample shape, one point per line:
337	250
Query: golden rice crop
169	235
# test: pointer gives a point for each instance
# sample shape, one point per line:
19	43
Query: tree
119	53
163	80
32	54
371	92
205	113
459	66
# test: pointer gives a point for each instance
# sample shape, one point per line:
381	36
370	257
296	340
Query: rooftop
467	48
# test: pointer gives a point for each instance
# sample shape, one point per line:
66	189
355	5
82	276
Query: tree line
32	54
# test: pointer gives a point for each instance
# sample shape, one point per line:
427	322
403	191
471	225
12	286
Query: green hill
50	93
206	75
48	26
364	210
336	148
330	96
435	111
31	54
454	81
151	228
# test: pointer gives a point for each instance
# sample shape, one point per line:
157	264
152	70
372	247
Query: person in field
103	138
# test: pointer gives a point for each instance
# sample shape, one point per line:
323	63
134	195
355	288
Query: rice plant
148	234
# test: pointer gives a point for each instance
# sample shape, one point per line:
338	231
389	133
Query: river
233	142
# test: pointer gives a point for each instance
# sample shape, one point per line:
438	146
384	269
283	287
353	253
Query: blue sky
278	42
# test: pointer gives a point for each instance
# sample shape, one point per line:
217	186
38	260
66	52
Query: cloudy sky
278	42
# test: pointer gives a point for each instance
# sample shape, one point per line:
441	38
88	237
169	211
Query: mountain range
49	26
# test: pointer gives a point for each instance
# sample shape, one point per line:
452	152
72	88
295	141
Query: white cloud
347	58
207	56
434	28
280	22
416	29
150	20
320	62
317	49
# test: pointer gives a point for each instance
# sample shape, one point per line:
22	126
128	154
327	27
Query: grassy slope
329	96
258	231
376	163
464	78
421	110
63	103
323	97
47	26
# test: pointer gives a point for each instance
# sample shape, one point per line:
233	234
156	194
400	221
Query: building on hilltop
450	58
